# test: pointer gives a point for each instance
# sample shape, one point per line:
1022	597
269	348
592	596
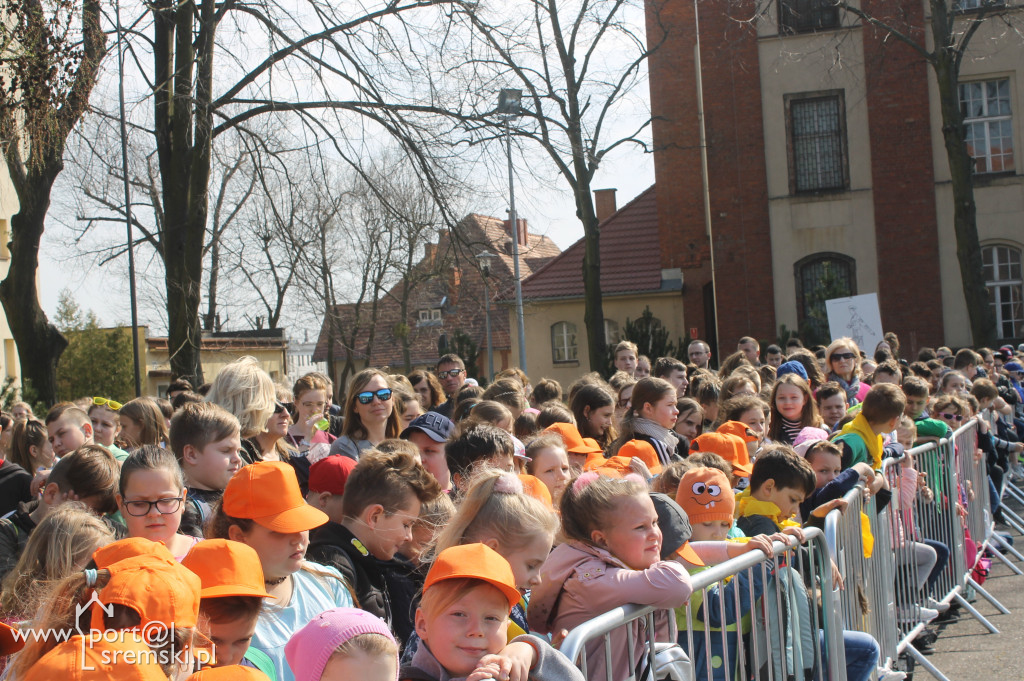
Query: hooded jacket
580	582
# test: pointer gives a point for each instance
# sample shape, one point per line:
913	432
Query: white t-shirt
311	595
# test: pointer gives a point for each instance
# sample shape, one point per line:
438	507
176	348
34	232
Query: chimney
522	232
604	203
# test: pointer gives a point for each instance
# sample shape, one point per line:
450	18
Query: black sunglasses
384	394
843	355
280	407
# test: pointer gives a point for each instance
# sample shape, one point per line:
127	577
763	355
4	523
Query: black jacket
333	544
15	483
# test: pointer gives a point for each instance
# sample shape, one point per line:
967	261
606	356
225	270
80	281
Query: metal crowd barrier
949	503
730	628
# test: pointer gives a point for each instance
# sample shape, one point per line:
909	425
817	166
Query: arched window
821	277
1002	269
563	342
612	334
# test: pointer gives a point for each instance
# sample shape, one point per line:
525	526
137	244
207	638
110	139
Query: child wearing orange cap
232	596
580	451
707	498
462	623
378	510
150	593
497	512
263	507
612	557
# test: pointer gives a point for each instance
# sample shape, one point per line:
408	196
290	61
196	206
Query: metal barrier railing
730	628
943	498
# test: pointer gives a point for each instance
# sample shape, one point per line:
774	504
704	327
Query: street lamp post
508	105
484	258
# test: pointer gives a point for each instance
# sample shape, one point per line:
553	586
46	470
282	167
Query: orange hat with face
706	495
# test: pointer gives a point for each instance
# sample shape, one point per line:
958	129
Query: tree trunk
593	313
965	225
39	342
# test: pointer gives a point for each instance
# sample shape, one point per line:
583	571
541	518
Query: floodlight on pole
484	259
509	106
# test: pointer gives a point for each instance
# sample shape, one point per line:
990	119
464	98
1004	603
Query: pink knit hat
311	646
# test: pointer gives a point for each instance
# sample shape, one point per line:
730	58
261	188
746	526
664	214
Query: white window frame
612	331
987	123
563	343
1008	292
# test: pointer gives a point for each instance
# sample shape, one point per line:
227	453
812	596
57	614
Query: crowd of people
427	527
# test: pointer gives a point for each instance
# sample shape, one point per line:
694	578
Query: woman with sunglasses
272	444
370	414
842	358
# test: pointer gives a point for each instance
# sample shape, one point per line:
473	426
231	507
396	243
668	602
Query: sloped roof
459	283
629	256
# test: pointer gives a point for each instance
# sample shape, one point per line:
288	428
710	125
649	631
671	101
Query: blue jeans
861	654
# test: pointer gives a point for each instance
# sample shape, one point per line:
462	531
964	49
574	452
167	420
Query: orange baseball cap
232	672
9	643
732	448
644	451
161	590
268	493
97	658
574	442
115	552
738	429
474	561
534	487
226	568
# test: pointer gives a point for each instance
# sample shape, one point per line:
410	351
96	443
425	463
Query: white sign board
858	318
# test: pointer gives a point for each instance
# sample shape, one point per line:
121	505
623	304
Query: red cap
475	561
330	474
268	493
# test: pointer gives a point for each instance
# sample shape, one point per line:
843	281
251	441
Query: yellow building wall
157	365
539	317
10	364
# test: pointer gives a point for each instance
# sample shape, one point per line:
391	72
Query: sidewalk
966	651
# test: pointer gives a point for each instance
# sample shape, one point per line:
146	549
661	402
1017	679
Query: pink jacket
580	582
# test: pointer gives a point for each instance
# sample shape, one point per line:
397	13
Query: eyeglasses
951	417
104	402
451	372
842	355
140	508
280	407
384	394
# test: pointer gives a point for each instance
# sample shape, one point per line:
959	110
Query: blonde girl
142	423
611	557
151	498
651	416
61	544
792	409
496	512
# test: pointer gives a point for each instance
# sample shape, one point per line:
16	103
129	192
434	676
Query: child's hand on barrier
837	576
558	637
828	506
960	510
978	455
489	667
1017	447
970	491
927	494
763	543
513	663
795	532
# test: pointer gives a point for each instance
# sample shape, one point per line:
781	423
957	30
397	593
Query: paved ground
965	651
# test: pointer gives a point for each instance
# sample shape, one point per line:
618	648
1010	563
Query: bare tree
580	64
50	52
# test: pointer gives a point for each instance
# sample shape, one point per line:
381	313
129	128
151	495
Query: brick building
826	170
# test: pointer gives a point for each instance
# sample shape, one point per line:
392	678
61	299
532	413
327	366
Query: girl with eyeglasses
151	498
370	414
842	359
